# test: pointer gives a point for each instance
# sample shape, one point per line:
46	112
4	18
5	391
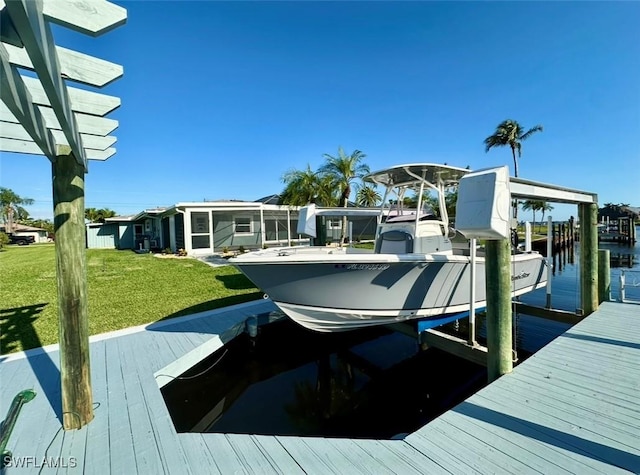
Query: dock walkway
573	407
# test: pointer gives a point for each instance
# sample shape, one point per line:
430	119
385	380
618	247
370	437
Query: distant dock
622	230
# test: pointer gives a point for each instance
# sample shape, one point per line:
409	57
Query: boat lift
484	199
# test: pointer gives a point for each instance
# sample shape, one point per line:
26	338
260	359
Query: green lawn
125	289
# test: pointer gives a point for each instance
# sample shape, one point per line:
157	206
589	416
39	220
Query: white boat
419	267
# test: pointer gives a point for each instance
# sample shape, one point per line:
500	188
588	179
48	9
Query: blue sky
219	99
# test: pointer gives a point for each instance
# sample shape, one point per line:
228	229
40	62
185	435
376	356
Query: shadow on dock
551	436
16	326
206	306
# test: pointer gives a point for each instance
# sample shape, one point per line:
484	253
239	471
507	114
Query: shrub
167	250
241	250
225	250
4	239
182	253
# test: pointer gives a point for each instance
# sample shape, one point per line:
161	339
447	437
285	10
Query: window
200	242
137	229
242	225
199	223
271	229
334	223
200	237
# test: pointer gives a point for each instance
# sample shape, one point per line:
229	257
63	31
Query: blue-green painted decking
573	407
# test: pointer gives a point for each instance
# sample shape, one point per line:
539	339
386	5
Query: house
39	234
208	227
201	228
137	231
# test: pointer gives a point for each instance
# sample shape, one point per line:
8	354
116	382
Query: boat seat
394	242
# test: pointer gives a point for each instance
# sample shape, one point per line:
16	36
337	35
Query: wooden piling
604	275
588	257
499	318
75	374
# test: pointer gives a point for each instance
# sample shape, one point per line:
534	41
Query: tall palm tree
11	207
368	196
511	133
344	171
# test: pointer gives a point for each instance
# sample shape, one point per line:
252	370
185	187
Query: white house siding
38	236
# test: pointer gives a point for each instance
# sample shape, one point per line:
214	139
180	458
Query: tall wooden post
604	275
68	206
588	257
499	318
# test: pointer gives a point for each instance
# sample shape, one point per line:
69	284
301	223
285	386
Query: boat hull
347	292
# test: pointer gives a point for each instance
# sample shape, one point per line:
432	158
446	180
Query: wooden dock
573	407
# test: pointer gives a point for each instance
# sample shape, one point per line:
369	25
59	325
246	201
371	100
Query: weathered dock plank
121	449
372	456
549	426
97	454
147	457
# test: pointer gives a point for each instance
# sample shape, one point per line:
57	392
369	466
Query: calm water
566	278
364	384
371	383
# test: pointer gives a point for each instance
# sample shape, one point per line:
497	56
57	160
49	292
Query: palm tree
344	170
98	215
301	187
368	196
532	205
511	133
11	207
536	205
545	207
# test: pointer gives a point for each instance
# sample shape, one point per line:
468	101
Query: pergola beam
85	102
16	131
87	124
74	66
31	148
37	38
17	101
92	17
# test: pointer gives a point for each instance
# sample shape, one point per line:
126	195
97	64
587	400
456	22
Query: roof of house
17	228
270	200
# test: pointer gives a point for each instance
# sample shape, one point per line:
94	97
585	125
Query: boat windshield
404	209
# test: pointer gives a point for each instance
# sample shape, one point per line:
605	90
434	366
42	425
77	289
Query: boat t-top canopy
416	173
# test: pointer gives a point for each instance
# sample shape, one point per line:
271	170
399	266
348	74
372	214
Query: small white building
39	234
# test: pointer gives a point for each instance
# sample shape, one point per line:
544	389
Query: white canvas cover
307	220
482	210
